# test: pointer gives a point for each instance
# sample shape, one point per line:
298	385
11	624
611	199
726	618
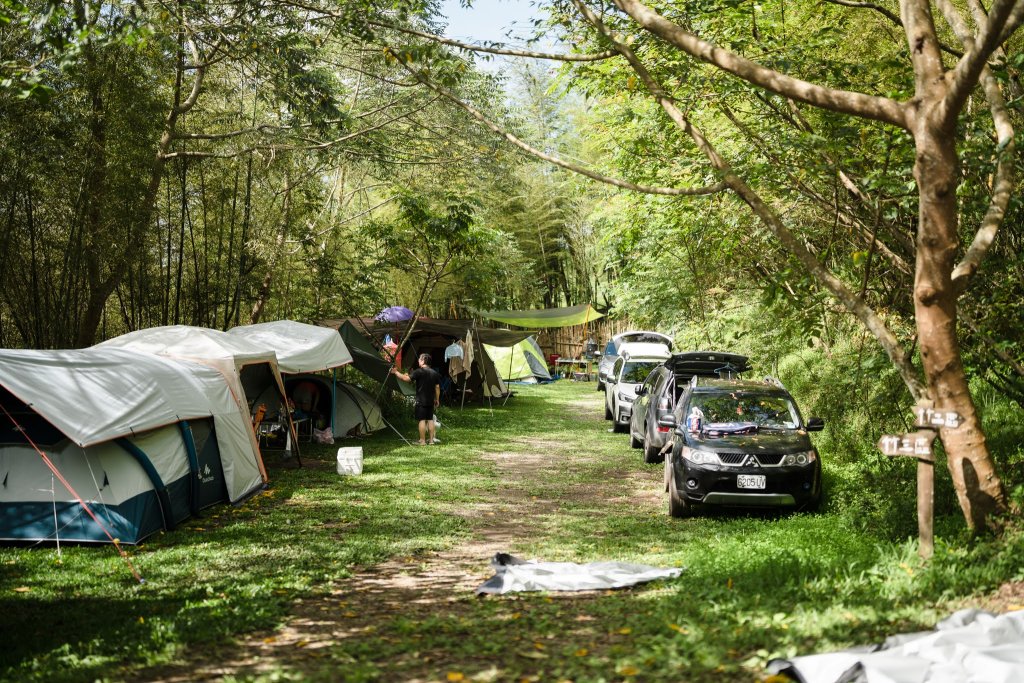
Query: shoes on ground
435	441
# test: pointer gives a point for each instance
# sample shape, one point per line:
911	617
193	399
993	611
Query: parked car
740	442
657	396
630	369
614	345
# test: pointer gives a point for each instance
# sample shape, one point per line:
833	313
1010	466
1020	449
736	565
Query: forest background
220	163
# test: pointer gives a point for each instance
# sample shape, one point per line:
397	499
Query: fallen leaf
455	676
270	639
629	671
533	654
302	643
625	630
22	589
582	652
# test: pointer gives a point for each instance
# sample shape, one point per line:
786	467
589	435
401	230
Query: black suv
739	442
657	396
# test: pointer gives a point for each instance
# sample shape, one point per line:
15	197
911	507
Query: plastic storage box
350	460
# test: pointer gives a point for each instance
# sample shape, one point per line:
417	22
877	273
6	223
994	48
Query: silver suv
614	345
657	396
636	360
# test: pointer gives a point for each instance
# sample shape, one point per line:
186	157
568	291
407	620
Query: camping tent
523	362
302	349
432	337
355	411
248	368
368	360
299	347
145	441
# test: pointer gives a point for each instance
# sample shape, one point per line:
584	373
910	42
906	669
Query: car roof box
707	364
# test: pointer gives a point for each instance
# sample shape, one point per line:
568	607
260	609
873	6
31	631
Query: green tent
547	317
523	362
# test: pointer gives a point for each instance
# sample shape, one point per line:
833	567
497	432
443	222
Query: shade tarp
367	359
547	317
299	347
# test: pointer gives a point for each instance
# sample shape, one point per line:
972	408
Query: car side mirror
641	390
814	424
667	421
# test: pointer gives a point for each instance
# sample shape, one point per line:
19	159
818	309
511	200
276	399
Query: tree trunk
978	486
275	255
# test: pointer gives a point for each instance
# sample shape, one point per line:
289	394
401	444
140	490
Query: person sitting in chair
305	395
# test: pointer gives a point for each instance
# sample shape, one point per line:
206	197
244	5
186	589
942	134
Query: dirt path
421	586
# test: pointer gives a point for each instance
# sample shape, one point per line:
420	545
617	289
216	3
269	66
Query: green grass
754	586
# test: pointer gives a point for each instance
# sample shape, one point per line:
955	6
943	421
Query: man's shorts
423	412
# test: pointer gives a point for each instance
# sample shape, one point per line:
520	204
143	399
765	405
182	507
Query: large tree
666	49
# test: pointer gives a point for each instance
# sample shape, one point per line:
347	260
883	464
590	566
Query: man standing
428	396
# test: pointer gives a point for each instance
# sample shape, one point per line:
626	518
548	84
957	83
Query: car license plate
750	481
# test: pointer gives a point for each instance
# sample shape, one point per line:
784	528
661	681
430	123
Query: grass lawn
365	578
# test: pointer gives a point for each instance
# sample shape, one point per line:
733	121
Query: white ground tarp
300	347
970	646
96	395
513	574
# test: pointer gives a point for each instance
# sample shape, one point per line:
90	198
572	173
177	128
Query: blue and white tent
144	441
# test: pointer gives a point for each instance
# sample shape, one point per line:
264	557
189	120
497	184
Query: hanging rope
62	480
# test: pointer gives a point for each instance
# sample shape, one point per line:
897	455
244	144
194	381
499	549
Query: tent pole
407	442
334	396
483	372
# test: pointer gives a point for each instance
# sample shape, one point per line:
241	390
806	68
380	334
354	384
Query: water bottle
694	420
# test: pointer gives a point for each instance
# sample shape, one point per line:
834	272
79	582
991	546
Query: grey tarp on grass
970	646
513	574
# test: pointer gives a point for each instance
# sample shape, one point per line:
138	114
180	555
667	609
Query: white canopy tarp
970	646
96	395
299	347
513	574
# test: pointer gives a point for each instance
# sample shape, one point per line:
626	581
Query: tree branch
1003	182
891	16
499	50
967	72
858	104
823	276
479	116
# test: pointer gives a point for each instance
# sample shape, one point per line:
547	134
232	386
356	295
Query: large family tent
144	441
299	347
523	362
304	349
248	368
433	337
349	410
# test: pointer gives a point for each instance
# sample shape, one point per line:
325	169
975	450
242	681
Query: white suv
611	349
635	361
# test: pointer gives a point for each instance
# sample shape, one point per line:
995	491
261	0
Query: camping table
569	365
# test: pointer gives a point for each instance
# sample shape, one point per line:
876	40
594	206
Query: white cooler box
350	460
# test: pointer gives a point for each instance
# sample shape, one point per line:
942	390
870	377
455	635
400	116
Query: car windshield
768	411
635	372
